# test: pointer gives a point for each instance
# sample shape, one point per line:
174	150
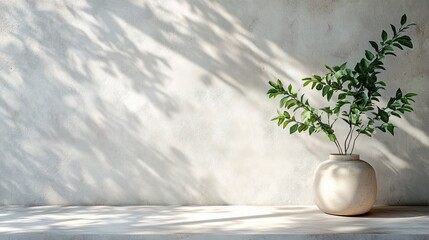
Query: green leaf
318	78
293	128
272	90
390	53
398	93
404	100
305	115
286	114
398	46
342	96
410	94
325	90
289	88
393	29
382	128
307	82
384	35
384	116
283	101
281	120
369	55
395	114
405	37
389	48
332	137
290	103
381	83
339	74
363	64
319	87
366	133
408	108
405	43
374	45
403	19
286	123
311	130
301	128
390	128
330	93
273	84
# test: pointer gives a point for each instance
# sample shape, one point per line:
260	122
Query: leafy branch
357	92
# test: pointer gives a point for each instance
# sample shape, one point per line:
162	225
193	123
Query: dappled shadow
74	103
124	102
88	89
214	220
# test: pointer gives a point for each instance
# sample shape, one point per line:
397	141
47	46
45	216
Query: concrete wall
163	102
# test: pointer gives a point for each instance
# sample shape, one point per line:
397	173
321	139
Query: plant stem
354	142
340	151
348	135
339	146
350	126
350	139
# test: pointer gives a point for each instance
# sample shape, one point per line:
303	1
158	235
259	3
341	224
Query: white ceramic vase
344	185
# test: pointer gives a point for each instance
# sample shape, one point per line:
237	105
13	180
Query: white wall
163	102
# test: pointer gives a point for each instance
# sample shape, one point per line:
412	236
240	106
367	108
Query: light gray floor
209	222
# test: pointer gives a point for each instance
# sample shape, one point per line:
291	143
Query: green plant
357	92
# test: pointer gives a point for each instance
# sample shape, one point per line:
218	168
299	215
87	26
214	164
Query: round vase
344	185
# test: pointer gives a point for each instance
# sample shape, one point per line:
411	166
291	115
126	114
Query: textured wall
163	102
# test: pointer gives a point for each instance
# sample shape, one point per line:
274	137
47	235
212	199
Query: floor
209	222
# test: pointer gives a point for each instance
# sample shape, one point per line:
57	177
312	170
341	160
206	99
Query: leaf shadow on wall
69	132
68	149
